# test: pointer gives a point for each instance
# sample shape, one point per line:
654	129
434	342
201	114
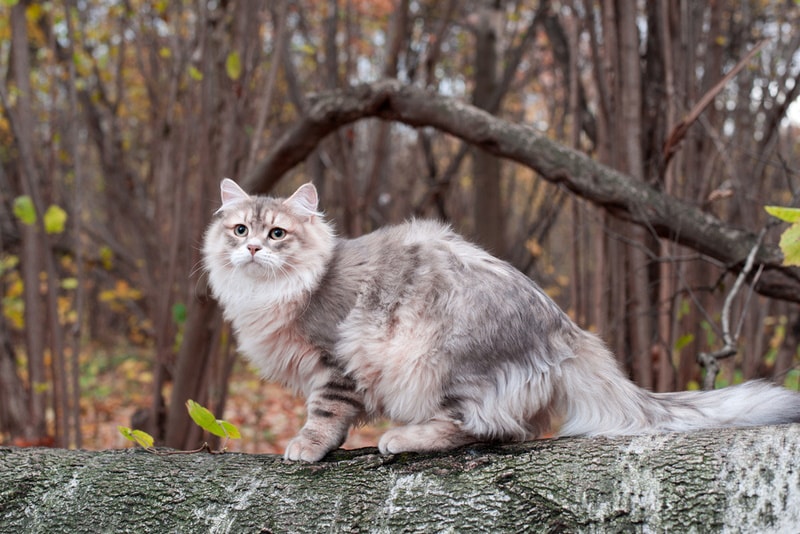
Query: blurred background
118	120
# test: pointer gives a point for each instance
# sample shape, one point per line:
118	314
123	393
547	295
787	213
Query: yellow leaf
33	13
106	258
64	305
14	311
533	247
233	66
69	283
55	220
15	289
195	74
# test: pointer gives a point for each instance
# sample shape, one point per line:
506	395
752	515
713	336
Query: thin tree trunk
14	409
191	372
630	130
33	237
489	219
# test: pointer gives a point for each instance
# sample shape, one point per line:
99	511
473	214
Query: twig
679	131
205	447
710	360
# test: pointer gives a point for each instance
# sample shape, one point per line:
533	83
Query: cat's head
264	239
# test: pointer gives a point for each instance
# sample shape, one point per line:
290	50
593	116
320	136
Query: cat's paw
393	442
303	449
435	435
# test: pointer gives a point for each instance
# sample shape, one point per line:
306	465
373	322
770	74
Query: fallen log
740	480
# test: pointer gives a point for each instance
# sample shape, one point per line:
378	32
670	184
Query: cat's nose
253	249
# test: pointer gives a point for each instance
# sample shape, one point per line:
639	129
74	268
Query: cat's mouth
255	263
257	266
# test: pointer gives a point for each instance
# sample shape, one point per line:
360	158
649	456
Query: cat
414	323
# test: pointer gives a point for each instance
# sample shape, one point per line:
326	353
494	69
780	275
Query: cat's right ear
231	193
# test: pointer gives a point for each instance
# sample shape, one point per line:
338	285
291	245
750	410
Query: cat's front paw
303	449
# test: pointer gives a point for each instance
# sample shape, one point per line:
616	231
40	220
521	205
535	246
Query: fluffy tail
596	399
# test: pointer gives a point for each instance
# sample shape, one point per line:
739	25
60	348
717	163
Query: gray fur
413	323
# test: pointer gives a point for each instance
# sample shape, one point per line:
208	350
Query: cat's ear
231	193
304	200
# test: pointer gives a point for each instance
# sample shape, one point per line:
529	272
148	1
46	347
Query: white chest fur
263	315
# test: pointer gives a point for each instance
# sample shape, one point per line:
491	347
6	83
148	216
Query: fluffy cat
413	323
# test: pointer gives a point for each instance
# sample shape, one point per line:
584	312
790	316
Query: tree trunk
488	215
34	242
741	480
191	370
14	411
640	328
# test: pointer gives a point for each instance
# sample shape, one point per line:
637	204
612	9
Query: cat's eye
240	230
277	234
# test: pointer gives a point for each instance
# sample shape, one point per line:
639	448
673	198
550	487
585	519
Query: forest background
120	118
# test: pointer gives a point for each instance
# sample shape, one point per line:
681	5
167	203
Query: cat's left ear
304	200
230	193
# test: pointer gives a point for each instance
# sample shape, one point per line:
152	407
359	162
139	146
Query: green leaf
204	418
233	66
230	429
142	438
790	238
790	215
55	220
8	263
683	341
790	245
25	210
195	73
179	313
199	414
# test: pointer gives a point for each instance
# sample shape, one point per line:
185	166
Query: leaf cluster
202	417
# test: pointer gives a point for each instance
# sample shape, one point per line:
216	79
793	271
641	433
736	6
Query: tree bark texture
619	194
736	480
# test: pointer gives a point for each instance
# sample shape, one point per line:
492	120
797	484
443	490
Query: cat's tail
597	399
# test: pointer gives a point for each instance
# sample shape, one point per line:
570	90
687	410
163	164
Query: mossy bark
742	480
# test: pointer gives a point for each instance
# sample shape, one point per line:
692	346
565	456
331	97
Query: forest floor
116	383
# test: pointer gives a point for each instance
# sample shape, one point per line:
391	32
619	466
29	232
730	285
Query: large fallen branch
744	480
621	195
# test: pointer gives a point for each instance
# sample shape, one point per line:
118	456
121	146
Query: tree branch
677	134
619	194
710	360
